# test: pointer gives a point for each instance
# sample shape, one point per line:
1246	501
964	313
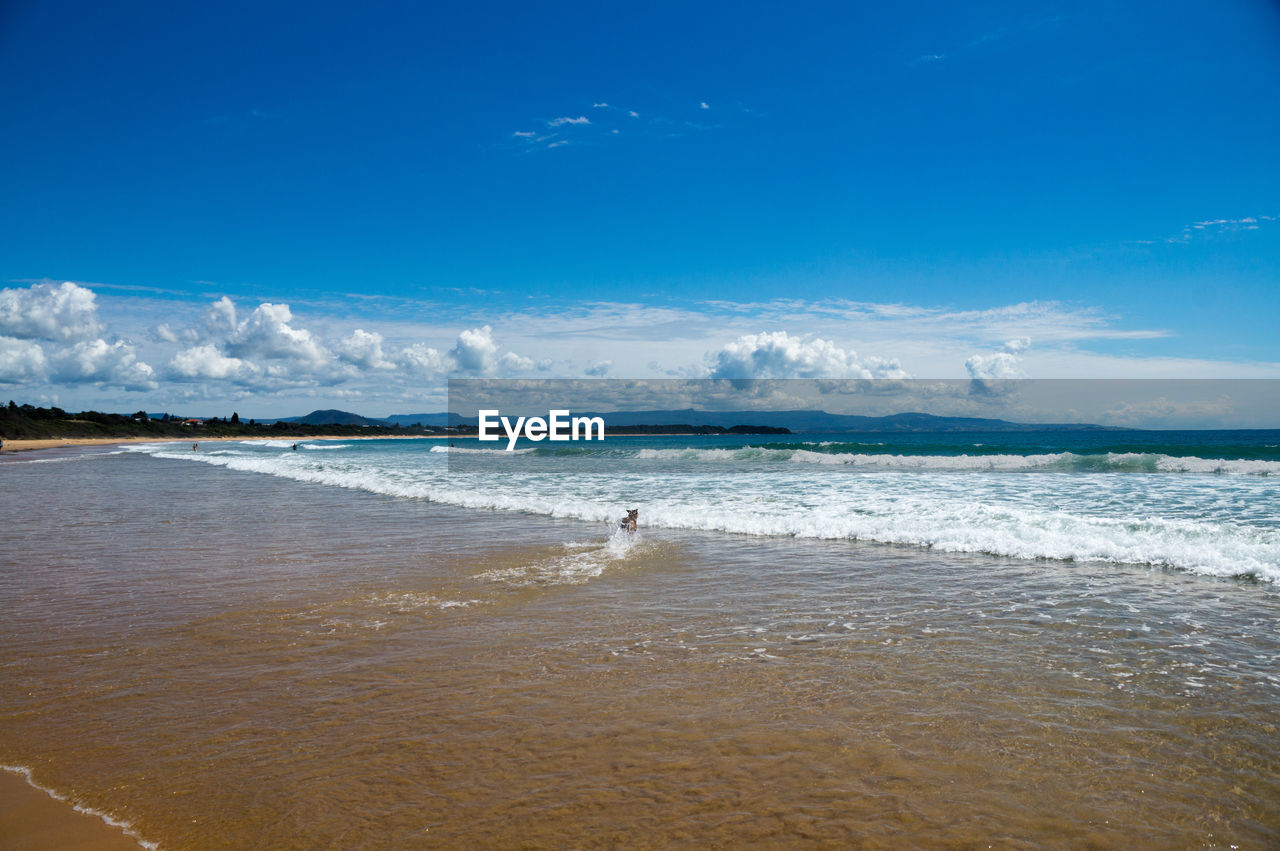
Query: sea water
1205	502
1045	639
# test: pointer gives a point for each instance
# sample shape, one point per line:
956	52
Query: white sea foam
324	445
575	567
410	601
1048	461
462	450
1211	525
125	827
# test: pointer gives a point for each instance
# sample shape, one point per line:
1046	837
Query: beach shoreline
30	445
33	817
24	445
498	677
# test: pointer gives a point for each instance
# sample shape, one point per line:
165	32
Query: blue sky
805	189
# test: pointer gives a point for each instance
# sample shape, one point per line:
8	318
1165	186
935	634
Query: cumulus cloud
363	349
1000	364
57	315
206	362
512	362
48	311
102	362
266	333
220	318
778	355
421	359
560	122
599	369
21	361
475	351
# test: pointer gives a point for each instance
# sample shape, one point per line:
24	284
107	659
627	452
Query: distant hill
437	419
821	421
796	421
331	416
811	421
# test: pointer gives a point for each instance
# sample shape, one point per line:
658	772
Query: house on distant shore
193	422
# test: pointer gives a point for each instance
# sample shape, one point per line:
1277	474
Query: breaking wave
1073	519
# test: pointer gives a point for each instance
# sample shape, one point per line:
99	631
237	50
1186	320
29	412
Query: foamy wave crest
462	450
1242	467
123	826
324	446
409	601
1118	462
575	567
956	518
949	525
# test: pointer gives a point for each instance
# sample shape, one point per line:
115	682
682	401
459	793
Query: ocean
1033	638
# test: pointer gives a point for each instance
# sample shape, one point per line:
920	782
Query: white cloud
778	355
599	369
559	122
1210	227
422	360
599	105
21	361
512	362
164	333
59	314
266	333
220	318
48	311
633	113
98	361
475	351
363	349
1001	364
209	363
524	134
704	105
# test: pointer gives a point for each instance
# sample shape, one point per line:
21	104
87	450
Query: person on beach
193	446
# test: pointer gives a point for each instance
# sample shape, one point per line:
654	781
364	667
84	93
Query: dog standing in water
628	523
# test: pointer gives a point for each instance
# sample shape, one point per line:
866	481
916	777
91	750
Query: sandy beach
32	819
253	647
59	442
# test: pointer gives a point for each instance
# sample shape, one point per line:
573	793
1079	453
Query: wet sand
228	659
33	820
61	442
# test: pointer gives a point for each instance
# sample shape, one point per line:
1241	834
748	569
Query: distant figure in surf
193	446
295	447
629	522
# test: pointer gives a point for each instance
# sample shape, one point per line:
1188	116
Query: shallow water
230	659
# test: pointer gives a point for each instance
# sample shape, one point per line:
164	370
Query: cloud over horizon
54	340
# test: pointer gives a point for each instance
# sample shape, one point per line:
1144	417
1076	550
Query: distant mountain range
797	421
